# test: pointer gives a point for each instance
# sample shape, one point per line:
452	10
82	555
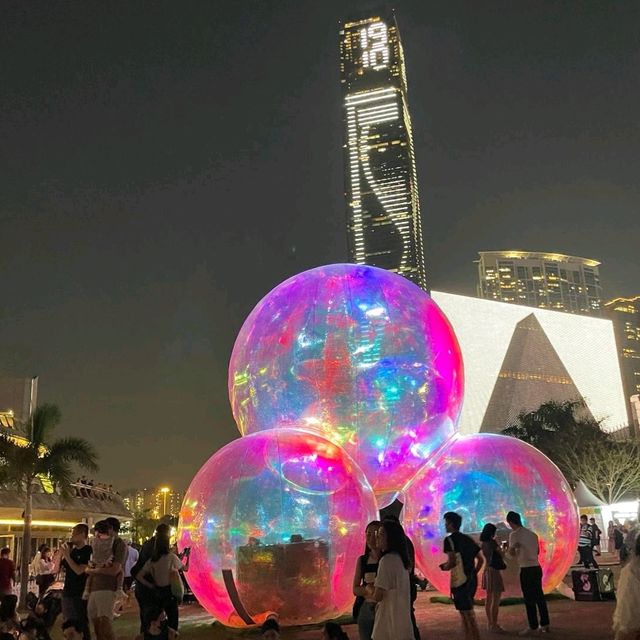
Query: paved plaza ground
569	620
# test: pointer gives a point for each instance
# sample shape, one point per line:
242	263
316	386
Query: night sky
165	164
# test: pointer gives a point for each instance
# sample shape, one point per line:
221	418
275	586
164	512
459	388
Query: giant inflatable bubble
274	522
482	477
359	354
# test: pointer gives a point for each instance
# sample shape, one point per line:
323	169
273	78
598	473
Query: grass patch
505	602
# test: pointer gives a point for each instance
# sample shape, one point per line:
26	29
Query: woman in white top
626	617
162	568
391	589
45	571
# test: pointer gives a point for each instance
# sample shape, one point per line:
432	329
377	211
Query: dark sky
165	164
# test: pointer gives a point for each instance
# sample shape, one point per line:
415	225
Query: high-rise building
18	397
625	314
155	502
383	212
544	280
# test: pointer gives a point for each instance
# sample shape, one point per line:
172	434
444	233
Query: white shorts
101	604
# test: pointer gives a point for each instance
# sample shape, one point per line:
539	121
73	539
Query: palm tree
22	463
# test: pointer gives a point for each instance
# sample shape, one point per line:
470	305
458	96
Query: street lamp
164	491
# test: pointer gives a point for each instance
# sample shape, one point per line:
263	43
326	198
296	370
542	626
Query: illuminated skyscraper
383	212
545	280
625	314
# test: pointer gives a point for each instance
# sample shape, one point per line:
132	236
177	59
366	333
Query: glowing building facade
383	212
543	280
625	314
516	358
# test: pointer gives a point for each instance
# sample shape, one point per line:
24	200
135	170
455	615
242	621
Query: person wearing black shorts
459	543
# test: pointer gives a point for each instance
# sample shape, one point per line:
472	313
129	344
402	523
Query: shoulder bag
457	575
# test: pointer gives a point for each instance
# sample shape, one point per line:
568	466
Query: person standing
143	595
45	571
585	544
611	537
364	609
161	567
104	587
524	546
626	617
457	543
7	573
392	589
596	534
492	581
75	558
132	558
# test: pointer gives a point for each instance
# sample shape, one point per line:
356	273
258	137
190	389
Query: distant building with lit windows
544	280
625	314
156	503
383	213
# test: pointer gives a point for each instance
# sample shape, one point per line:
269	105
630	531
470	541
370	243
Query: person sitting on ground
33	629
270	629
626	617
101	553
333	631
9	620
72	630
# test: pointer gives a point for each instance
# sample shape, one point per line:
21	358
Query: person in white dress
391	589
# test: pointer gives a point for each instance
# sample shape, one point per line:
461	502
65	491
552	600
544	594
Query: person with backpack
464	561
364	609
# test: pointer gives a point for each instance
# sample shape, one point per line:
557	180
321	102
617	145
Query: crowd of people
96	583
86	488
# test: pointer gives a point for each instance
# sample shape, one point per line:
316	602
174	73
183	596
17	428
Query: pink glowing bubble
275	522
482	477
358	354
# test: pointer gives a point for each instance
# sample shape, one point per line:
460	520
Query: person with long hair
364	608
391	589
45	576
162	567
492	581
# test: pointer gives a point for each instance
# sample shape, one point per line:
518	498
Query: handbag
359	601
457	575
496	561
177	588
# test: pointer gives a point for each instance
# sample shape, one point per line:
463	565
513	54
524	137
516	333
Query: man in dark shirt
7	572
75	558
459	543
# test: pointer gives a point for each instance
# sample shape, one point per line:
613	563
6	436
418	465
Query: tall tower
383	212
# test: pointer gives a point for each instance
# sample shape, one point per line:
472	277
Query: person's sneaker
545	629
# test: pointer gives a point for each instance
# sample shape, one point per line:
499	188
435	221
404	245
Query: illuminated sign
374	43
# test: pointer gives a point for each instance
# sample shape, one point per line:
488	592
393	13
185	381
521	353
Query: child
101	553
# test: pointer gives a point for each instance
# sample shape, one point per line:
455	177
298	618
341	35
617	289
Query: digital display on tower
375	46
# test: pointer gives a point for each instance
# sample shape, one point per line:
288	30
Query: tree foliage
567	434
23	463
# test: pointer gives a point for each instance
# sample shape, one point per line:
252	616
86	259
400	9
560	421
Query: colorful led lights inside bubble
358	354
274	521
482	477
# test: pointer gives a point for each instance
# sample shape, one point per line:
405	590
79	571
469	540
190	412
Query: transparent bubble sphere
482	477
359	354
275	522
